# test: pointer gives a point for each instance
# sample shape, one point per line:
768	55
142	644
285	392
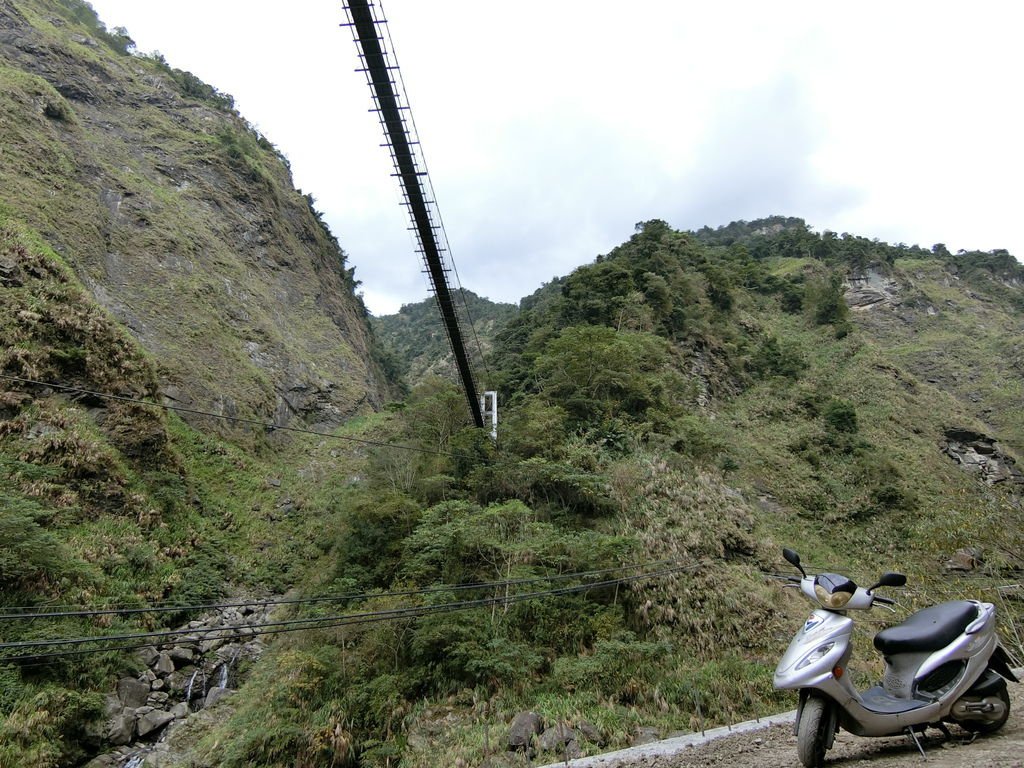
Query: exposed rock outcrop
980	454
184	223
871	288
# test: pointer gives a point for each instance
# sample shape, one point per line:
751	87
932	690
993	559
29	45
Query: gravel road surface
775	747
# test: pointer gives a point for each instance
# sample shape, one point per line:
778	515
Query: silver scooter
942	664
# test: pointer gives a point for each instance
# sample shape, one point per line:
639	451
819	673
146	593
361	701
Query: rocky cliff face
182	221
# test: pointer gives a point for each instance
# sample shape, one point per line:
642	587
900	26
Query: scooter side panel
822	628
862	721
980	639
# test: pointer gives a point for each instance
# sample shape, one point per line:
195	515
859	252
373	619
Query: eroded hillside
181	220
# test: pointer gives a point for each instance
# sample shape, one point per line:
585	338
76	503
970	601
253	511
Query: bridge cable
410	168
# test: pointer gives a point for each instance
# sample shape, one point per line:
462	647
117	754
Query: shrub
840	416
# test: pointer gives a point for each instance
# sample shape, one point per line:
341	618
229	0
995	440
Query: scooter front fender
821	644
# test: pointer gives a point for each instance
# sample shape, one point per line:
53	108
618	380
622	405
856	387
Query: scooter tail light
837	671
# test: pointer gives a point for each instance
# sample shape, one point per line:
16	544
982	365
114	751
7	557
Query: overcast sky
550	129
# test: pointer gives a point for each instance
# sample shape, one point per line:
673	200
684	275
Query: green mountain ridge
416	339
672	414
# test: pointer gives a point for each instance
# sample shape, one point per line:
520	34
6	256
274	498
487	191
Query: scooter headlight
816	655
834	600
833	590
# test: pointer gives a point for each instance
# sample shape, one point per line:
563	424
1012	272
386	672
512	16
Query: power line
268	426
234	630
329	622
260	603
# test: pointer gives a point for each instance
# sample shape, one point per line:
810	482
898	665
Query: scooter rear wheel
816	731
990	726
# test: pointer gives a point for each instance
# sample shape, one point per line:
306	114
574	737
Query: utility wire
260	603
235	630
328	622
235	419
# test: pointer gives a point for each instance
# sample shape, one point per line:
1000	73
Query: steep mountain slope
181	220
152	249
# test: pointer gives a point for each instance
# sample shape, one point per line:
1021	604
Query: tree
437	410
824	298
594	371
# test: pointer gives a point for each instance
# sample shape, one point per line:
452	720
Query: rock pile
191	673
527	734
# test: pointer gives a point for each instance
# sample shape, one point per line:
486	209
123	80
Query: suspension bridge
391	103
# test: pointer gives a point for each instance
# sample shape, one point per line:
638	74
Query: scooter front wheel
816	731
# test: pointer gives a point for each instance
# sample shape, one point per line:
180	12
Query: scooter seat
927	630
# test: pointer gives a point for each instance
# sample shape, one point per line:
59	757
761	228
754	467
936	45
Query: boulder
164	665
149	655
157	698
215	695
525	727
132	693
179	710
152	721
965	559
212	644
645	734
555	738
121	727
181	656
590	732
111	705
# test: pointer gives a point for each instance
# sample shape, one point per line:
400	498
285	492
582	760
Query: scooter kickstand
917	742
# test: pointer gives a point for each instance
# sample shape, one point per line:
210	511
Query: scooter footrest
879	700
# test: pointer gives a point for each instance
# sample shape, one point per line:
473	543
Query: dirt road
775	747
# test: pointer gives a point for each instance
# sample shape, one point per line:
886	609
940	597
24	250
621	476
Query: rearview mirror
793	559
890	579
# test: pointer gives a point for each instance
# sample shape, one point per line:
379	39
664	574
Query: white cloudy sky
550	129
